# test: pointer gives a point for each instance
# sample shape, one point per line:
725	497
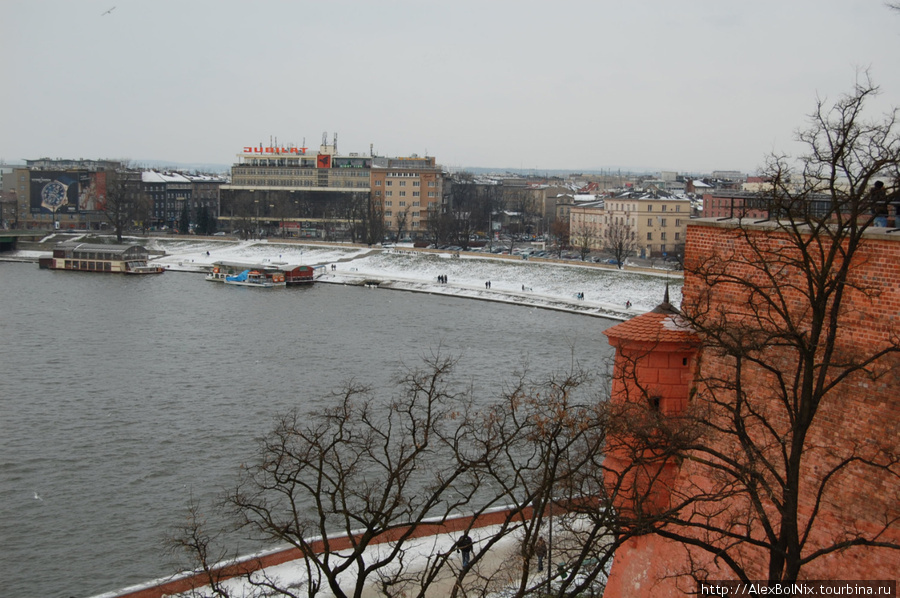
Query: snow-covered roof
151	176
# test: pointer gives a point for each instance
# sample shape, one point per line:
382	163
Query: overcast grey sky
691	86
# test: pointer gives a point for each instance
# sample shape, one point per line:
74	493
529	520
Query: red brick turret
655	363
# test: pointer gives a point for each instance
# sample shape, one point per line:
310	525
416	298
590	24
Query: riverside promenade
496	566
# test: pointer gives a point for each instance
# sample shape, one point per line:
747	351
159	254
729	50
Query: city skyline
697	86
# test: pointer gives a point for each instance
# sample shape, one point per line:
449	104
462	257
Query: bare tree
585	238
559	231
620	240
775	310
359	472
402	222
352	487
122	199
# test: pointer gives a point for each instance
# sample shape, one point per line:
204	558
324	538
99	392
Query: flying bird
37	496
108	11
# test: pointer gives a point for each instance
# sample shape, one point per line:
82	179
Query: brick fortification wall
860	417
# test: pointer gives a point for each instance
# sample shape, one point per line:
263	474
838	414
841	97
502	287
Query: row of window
390	214
431	194
303	183
662	222
389	204
403	183
662	236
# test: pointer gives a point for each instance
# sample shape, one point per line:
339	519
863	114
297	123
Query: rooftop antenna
335	144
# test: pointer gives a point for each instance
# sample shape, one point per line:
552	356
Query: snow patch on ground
534	283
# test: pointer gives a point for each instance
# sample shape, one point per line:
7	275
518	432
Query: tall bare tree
123	199
775	310
620	240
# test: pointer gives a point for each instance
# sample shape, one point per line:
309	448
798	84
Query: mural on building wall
67	192
92	197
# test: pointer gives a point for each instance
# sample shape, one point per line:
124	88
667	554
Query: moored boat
255	278
288	274
91	257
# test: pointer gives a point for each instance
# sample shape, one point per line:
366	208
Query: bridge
10	238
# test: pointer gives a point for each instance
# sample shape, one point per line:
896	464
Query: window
389	193
677	236
662	236
388	214
415	204
403	183
650	208
664	207
403	194
662	221
649	221
677	222
388	203
378	183
677	208
649	236
415	183
432	184
402	204
432	194
415	194
389	183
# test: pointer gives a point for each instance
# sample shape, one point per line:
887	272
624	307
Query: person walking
540	551
464	545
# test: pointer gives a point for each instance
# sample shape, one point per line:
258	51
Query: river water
123	396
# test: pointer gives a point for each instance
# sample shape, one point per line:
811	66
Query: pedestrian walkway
471	291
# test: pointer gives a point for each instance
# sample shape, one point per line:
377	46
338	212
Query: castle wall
858	419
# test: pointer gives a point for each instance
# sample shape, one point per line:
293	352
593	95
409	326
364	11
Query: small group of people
465	544
334	266
579	296
627	304
487	284
442	278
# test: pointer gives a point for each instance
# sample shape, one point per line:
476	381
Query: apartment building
408	192
657	225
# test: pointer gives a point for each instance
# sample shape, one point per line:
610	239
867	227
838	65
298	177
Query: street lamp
256	201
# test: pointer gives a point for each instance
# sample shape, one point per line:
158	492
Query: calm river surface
121	396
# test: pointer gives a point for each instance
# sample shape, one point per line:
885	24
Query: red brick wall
859	417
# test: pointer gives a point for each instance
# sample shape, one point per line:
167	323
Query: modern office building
290	190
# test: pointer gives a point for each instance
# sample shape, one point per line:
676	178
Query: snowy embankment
536	283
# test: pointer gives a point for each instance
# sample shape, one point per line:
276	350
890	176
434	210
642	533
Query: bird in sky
108	11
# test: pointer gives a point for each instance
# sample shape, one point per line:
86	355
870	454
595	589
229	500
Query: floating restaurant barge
276	273
88	257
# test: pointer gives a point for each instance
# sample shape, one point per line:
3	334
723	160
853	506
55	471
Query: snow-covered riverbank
534	283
